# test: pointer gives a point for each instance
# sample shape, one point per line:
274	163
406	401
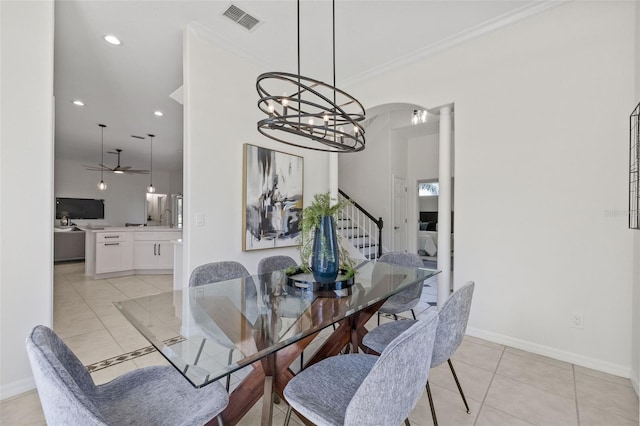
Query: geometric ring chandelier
315	116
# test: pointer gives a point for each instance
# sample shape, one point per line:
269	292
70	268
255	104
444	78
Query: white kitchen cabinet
153	250
117	252
113	253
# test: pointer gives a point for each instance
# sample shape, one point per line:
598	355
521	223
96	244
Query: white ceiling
123	85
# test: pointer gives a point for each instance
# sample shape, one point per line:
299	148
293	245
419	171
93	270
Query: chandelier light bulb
311	122
271	108
414	117
151	189
102	186
424	116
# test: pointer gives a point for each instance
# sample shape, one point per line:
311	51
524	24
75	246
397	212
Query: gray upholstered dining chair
407	299
454	315
275	263
214	272
360	389
153	395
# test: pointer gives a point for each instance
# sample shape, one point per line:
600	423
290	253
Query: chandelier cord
333	9
299	91
102	153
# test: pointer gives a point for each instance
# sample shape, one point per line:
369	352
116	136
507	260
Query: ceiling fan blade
125	168
104	167
140	172
95	168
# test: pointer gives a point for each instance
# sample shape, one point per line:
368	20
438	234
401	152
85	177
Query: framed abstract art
272	198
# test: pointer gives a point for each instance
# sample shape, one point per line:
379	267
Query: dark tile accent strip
109	362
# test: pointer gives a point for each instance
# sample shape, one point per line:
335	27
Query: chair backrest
454	315
393	386
413	292
275	263
65	387
217	271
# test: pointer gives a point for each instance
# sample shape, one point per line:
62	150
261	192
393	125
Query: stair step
366	245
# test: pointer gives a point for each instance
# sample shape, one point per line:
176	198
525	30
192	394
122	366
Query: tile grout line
484	398
537	386
489	387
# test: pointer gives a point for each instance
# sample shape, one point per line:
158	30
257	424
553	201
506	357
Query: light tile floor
503	385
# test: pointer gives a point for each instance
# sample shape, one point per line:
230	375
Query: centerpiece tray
305	281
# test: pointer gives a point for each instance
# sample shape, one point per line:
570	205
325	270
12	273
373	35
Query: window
428	189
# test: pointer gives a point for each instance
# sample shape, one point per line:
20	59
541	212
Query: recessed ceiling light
78	102
112	39
158	113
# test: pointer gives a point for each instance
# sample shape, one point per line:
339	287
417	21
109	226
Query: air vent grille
241	17
248	21
234	13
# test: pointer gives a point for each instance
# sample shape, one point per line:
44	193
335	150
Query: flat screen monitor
80	208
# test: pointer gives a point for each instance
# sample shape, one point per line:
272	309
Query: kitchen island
116	252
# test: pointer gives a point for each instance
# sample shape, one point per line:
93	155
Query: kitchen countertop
133	229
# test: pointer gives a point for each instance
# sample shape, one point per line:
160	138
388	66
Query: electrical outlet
577	320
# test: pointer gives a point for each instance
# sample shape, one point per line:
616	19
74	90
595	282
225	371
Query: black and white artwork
272	198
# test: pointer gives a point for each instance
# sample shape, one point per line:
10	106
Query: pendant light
101	185
316	115
151	189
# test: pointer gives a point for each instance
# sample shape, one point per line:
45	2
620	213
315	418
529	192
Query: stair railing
365	224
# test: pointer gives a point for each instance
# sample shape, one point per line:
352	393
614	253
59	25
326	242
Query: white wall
26	184
540	137
220	116
635	337
125	195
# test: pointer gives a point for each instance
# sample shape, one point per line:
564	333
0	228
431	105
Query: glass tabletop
209	331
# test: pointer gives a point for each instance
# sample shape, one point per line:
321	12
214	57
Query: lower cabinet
153	250
113	256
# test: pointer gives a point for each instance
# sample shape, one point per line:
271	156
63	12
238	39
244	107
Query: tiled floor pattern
503	385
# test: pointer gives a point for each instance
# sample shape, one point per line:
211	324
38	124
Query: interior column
444	206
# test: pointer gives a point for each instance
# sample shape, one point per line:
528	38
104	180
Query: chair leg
378	318
219	418
395	317
406	422
301	360
199	352
455	377
229	375
287	417
433	409
414	314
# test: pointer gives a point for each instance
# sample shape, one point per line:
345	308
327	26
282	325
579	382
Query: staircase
360	228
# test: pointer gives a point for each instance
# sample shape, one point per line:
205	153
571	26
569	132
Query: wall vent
241	17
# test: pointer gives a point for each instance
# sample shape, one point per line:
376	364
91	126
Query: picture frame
272	198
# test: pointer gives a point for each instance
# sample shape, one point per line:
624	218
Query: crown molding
224	43
487	27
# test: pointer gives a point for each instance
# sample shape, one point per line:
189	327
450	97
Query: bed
428	235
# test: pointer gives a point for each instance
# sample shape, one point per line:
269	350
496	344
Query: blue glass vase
325	258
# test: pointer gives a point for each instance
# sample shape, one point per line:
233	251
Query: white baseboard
635	381
572	357
16	388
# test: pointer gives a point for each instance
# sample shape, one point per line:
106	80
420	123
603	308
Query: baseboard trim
635	382
572	357
16	388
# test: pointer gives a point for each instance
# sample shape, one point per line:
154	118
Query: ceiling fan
118	169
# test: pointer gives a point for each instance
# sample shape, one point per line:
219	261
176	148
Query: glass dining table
263	321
